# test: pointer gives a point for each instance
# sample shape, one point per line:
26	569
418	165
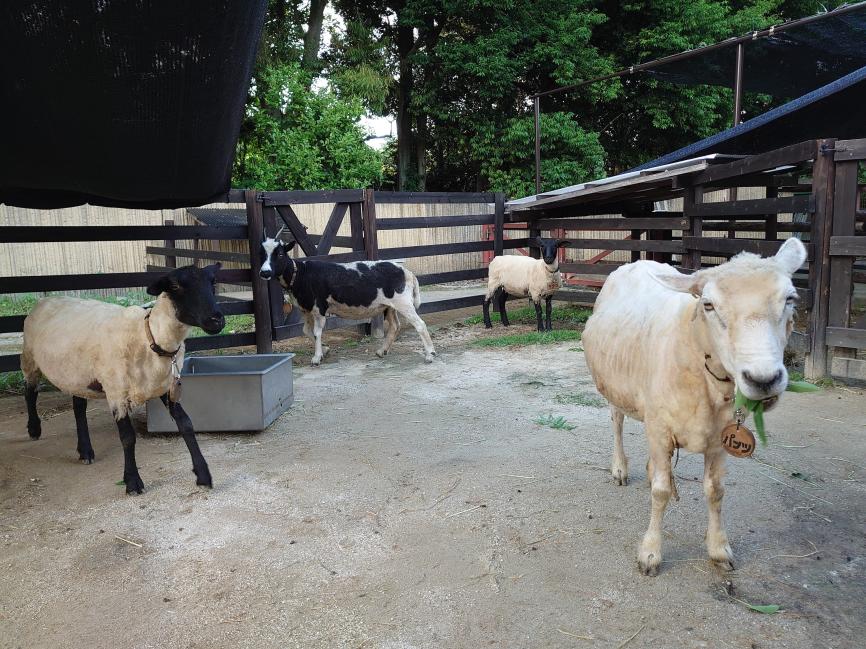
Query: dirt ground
401	505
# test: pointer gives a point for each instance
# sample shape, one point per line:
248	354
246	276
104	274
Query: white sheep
525	277
670	350
92	350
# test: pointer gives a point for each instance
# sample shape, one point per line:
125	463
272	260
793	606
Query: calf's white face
748	309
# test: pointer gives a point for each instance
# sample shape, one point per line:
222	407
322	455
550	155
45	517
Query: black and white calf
357	290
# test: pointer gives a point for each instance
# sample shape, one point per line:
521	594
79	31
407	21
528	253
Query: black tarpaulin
835	110
787	64
122	103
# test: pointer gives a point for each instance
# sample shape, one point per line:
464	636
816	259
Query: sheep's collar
159	351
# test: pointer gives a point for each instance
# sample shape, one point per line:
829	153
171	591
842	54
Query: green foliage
557	423
530	338
299	138
12	382
569	315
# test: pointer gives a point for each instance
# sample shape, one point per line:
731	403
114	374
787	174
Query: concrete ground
401	505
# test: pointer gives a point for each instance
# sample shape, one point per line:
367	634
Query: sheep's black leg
184	427
134	485
548	308
34	426
503	316
538	315
485	307
85	449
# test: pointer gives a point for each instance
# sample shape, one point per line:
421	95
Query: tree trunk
313	37
405	138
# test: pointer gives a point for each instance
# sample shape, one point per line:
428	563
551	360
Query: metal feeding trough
229	393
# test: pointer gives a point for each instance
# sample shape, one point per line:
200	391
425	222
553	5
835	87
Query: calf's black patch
356	286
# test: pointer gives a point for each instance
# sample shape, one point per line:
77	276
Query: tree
298	138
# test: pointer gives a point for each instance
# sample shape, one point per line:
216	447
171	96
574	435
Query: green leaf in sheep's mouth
741	401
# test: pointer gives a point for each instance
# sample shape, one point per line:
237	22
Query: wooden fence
807	190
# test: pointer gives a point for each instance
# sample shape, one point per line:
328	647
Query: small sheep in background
127	355
525	276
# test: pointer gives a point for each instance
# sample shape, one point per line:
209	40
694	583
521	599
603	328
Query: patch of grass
825	382
568	315
587	399
557	423
23	304
530	338
12	382
235	324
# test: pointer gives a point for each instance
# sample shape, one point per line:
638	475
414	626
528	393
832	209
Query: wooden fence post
371	247
261	301
694	195
498	224
170	260
842	267
823	186
276	296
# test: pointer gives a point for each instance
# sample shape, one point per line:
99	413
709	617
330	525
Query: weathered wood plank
499	224
799	342
434	197
261	301
34	283
848	246
298	229
46	234
588	269
757	207
407	223
850	150
189	253
306	198
452	276
850	368
788	155
846	337
371	232
626	244
11	323
10	363
220	342
329	234
823	186
732	246
643	223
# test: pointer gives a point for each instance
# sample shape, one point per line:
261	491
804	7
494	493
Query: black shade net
134	103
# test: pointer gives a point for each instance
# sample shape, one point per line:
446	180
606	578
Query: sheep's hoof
429	357
381	353
724	566
86	456
488	325
203	478
134	485
316	362
649	565
34	430
620	477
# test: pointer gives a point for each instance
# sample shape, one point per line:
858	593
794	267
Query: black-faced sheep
127	355
525	277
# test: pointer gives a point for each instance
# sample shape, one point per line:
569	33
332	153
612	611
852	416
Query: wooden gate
846	329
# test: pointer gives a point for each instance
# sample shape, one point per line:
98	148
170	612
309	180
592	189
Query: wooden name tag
738	440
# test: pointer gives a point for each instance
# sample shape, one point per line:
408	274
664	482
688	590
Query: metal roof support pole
537	104
738	110
738	85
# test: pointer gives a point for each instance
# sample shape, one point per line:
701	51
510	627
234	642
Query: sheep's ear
161	285
562	243
534	242
693	284
791	255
